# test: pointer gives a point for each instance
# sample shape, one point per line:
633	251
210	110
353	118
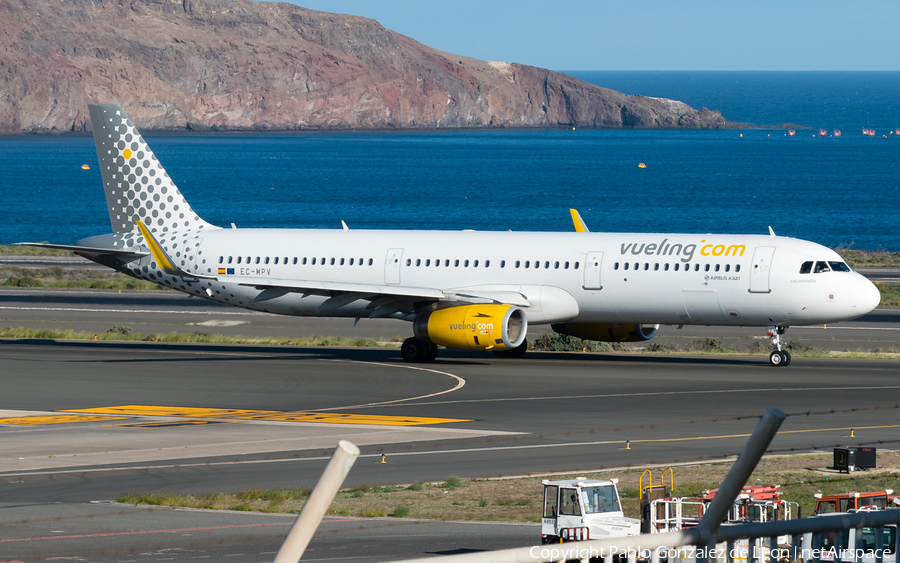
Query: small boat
791	132
85	167
641	165
837	132
823	133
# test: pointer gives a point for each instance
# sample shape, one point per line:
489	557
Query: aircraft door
761	269
192	259
392	264
592	265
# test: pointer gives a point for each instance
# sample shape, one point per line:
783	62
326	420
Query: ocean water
839	191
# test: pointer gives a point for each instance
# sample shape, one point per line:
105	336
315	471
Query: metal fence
708	541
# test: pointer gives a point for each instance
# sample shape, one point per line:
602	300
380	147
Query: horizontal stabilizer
88	249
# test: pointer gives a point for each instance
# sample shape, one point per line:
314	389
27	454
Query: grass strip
519	500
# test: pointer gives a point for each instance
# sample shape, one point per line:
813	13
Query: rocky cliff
240	64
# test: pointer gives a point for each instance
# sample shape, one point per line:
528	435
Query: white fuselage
580	277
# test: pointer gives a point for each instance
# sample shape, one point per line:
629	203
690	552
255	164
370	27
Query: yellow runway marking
280	416
58	419
151	410
169	423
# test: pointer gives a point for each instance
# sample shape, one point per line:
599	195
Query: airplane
464	289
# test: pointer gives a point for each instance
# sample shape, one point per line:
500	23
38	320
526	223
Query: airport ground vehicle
846	502
584	509
863	545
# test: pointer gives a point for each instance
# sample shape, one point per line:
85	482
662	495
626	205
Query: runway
83	422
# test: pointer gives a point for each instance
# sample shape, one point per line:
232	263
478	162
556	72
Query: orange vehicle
846	502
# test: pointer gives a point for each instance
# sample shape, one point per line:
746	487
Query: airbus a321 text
468	290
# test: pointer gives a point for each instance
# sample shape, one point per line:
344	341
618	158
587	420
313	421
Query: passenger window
646	266
656	267
285	260
456	263
229	259
727	267
475	264
839	267
351	261
314	261
666	266
408	261
576	265
276	259
466	264
556	265
676	266
239	259
503	263
487	263
342	261
528	263
267	259
304	260
737	267
566	266
636	265
221	259
821	267
257	259
717	267
547	265
706	268
446	263
626	266
696	267
370	261
616	266
537	264
295	260
428	262
517	263
418	261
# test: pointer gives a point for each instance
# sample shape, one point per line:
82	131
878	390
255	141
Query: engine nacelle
607	332
473	327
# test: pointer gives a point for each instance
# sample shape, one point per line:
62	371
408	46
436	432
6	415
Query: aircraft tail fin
137	187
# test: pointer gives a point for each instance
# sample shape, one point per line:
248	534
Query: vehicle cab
584	509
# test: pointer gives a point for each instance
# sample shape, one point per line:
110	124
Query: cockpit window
839	267
806	267
821	267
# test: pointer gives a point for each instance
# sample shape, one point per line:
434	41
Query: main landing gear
418	352
779	357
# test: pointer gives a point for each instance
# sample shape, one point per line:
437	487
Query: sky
649	34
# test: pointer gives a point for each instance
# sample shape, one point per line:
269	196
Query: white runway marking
133	311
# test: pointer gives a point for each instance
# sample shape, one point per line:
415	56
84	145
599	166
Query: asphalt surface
548	412
146	312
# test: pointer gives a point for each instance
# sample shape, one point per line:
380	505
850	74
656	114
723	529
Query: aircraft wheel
787	357
414	350
516	352
432	353
778	359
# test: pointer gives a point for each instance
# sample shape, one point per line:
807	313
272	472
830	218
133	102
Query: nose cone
865	297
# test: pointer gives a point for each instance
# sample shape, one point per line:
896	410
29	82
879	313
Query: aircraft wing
384	300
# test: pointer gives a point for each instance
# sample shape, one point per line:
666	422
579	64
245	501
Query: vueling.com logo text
472	326
685	251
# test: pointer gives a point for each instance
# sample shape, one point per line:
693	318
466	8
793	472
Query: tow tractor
584	509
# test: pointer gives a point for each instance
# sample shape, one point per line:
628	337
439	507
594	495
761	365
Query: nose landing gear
779	357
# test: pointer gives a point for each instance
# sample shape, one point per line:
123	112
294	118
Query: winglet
162	259
165	263
771	232
580	227
346	228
